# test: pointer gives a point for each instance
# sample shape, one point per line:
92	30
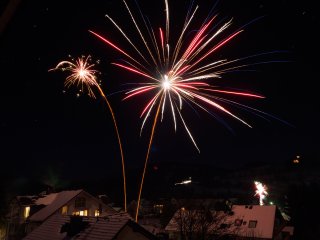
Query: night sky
48	132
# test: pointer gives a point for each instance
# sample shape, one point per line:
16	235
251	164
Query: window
96	213
238	222
26	212
83	213
76	213
252	224
80	202
64	210
80	213
158	208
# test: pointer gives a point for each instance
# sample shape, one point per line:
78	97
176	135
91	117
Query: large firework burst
83	74
178	72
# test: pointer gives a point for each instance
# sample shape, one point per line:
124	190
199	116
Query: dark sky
44	131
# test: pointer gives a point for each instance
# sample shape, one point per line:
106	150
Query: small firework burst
81	73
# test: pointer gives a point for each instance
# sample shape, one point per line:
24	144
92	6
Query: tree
202	222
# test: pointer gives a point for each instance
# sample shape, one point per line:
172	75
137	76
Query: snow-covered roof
53	202
46	199
105	228
41	199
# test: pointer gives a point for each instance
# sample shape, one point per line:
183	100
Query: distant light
271	203
297	160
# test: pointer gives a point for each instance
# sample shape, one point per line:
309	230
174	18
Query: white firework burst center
166	83
82	73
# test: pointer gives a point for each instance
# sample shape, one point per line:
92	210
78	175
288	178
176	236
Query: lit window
158	208
64	210
96	213
252	224
83	213
26	212
80	213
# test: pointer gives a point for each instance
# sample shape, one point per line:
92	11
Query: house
116	226
242	222
259	222
28	212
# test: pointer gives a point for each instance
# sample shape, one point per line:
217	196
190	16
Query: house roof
105	228
46	199
49	229
53	202
263	215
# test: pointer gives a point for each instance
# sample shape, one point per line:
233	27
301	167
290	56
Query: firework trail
261	191
82	74
180	74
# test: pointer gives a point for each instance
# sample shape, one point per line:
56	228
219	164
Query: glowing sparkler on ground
261	191
180	74
83	75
